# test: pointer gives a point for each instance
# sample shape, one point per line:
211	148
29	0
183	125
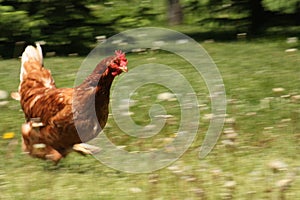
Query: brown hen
60	120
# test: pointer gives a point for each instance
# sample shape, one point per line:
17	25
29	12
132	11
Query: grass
267	126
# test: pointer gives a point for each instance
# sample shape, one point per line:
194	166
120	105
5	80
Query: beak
124	68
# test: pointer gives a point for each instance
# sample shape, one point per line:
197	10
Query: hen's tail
31	53
33	74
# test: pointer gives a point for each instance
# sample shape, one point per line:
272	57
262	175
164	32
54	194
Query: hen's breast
90	112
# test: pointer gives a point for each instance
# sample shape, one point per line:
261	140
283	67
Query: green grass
266	132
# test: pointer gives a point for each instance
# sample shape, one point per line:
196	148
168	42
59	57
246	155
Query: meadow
256	157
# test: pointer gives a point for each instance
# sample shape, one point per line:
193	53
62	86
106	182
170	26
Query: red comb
120	54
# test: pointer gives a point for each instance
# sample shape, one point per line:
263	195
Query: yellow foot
86	149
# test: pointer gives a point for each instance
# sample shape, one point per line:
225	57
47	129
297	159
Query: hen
60	120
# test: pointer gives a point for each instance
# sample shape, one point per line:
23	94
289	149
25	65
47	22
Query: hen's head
118	64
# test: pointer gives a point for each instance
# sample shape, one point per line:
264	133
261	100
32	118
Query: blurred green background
72	26
255	45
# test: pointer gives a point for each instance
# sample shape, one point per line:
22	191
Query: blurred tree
67	24
255	15
63	25
175	13
282	13
290	6
15	26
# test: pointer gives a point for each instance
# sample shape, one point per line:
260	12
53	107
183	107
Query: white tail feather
31	53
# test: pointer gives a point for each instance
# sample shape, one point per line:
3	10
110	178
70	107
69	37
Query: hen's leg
26	129
53	155
32	145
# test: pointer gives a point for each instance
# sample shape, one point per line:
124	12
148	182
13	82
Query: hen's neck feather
100	78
